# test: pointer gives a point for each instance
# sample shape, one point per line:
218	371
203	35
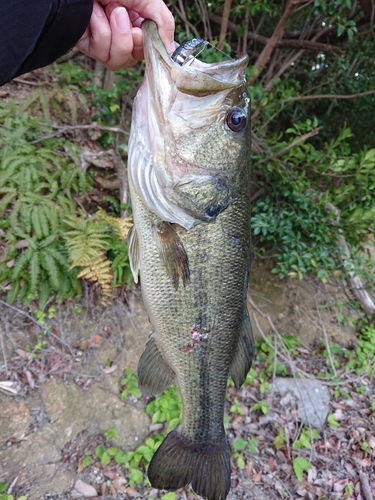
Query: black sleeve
34	33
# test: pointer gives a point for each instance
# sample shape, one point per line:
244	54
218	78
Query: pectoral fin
244	355
154	374
133	251
172	252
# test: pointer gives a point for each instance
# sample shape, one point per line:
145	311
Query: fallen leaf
30	379
257	477
96	338
22	354
85	489
133	493
21	244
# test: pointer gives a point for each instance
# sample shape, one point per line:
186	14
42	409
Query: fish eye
236	119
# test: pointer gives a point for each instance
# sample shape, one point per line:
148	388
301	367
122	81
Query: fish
189	181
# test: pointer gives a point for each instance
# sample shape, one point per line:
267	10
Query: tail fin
178	462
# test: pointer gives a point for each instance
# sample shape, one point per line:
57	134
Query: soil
65	403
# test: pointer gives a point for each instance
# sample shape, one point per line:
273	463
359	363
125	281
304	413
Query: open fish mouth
198	78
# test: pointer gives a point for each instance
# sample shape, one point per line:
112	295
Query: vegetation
313	175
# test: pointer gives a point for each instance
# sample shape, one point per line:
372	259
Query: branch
45	329
224	24
275	37
283	43
296	142
329	96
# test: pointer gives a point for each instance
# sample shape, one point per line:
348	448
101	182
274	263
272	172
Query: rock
312	398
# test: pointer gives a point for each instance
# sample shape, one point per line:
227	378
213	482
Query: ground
67	397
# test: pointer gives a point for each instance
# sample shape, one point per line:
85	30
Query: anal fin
172	252
244	355
154	374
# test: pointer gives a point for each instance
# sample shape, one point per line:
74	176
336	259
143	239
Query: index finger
155	10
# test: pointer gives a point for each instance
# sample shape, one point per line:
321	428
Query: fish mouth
198	78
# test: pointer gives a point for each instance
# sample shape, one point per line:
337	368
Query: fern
122	226
50	245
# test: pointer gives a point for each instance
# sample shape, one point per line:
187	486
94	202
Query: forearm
35	33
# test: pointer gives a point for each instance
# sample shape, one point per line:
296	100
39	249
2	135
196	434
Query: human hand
113	35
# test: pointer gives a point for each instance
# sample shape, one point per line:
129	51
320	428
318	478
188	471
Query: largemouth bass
190	192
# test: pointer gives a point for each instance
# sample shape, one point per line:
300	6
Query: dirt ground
68	396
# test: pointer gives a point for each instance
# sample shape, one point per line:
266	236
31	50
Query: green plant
300	465
129	385
7	496
305	438
38	182
166	408
331	419
280	439
98	250
262	406
363	357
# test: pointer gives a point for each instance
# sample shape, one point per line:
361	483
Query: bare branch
282	43
329	96
224	24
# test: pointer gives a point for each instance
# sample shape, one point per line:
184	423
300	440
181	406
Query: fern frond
12	294
52	269
7	199
99	271
122	226
34	270
35	218
21	262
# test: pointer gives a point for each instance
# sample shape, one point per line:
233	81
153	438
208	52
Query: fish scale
194	275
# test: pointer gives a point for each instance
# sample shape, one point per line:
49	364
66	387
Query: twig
325	338
26	82
365	486
63	128
45	330
329	96
5	359
296	142
286	357
282	43
12	485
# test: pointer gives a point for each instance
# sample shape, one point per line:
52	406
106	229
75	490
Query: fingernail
122	19
97	10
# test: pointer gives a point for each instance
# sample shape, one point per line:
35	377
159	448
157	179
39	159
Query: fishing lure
186	49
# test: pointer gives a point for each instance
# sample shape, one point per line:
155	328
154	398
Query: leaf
300	464
3	487
99	451
239	444
169	496
136	476
279	439
331	419
85	489
105	458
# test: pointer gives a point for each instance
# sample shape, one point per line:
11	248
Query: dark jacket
34	33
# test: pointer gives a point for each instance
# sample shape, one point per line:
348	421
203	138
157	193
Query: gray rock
312	398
